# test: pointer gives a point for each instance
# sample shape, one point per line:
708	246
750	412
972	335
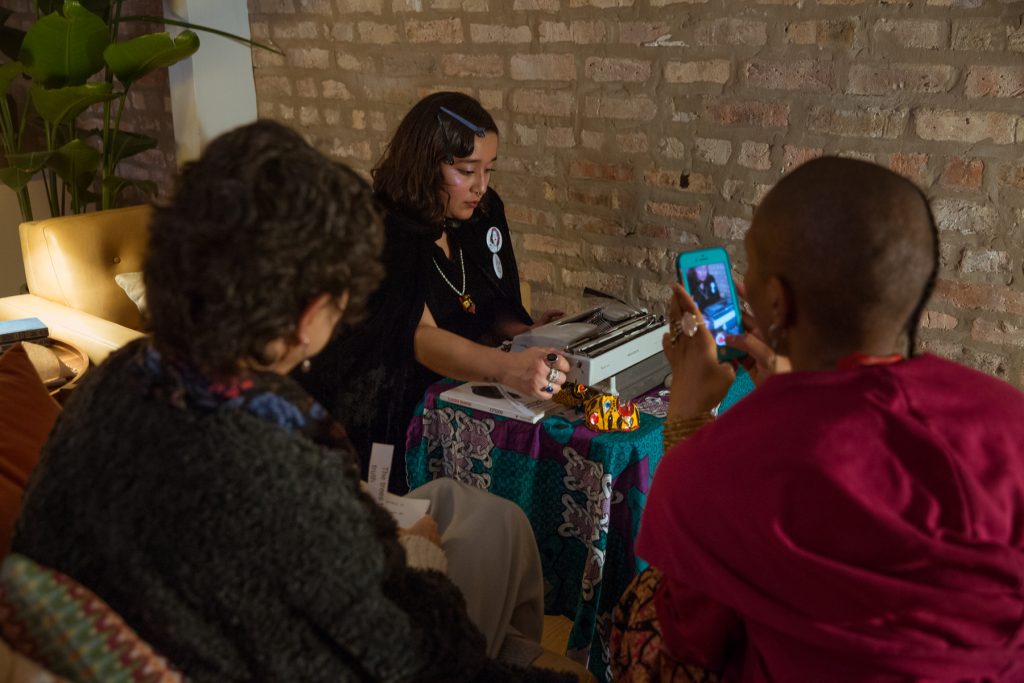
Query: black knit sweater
239	550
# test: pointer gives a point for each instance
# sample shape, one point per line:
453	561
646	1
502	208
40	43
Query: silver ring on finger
552	376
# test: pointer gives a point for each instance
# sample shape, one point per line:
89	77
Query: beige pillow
134	287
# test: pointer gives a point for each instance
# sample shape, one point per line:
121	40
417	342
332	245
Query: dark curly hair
408	176
258	227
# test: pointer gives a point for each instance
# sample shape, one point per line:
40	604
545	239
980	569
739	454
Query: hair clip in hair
477	130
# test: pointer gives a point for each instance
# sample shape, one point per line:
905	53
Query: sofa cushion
57	622
72	260
27	413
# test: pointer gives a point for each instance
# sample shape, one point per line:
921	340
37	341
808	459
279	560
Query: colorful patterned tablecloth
583	492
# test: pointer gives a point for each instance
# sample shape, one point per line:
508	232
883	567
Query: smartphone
706	274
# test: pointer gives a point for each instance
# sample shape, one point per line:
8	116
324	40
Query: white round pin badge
494	240
499	270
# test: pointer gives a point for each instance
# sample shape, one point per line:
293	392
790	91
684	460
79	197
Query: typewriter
614	347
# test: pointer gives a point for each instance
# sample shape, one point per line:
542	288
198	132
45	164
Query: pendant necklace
464	299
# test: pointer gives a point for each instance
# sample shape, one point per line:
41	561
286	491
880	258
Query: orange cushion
27	413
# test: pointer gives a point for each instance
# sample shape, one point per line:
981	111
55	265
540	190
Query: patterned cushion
60	624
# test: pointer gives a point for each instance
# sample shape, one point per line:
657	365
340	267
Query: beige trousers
493	559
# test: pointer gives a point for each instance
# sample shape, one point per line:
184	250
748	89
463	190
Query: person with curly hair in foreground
217	508
855	520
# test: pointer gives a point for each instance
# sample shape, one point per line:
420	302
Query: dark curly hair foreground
259	226
408	177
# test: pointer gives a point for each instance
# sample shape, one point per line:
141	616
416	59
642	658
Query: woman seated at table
451	292
217	508
858	519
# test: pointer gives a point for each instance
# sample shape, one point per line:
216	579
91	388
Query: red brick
543	102
709	71
926	34
979	35
354	6
911	165
490	33
631	143
961	173
650	259
374	33
551	245
712	150
868	122
994	81
964	126
583	168
938	321
1014	176
997	332
591	224
730	31
965	217
448	31
602	69
730	228
698	183
542	5
528	215
756	155
793	156
308	58
590	194
984	261
481	66
825	33
642	32
545	67
806	75
577	32
977	296
754	114
536	271
885	79
684	212
606	282
636	108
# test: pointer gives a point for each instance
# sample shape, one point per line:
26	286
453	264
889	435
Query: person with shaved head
860	516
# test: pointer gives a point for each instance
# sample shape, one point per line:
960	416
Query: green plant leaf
133	59
124	144
60	105
76	162
145	18
65	50
21	167
8	72
116	184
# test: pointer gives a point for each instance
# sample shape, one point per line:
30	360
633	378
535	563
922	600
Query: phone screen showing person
707	277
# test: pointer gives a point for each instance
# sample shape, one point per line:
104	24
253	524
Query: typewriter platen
614	347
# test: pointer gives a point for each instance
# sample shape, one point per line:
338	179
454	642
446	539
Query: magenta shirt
864	525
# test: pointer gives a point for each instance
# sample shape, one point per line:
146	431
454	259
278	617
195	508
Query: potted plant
68	61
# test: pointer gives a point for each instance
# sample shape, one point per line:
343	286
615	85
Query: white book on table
499	400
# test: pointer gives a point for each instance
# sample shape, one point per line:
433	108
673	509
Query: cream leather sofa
70	264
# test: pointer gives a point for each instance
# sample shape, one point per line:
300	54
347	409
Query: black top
368	377
239	550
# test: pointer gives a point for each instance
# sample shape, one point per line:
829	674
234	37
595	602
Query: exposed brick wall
149	103
634	128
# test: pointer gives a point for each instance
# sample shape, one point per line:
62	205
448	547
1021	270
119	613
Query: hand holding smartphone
706	275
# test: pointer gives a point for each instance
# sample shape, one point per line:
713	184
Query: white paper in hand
380	470
406	511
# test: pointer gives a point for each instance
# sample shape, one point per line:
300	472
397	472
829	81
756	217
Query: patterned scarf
275	398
